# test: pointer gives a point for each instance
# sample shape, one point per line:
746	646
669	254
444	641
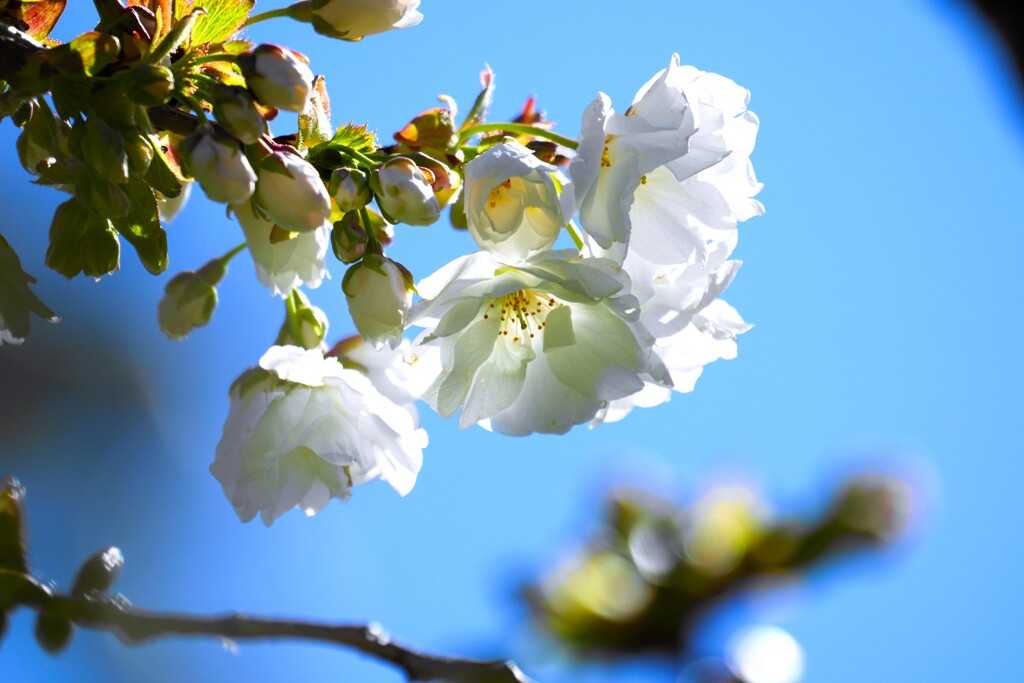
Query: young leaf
224	18
483	101
89	52
37	17
356	137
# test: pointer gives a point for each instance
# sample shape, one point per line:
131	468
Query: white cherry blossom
284	265
540	346
304	429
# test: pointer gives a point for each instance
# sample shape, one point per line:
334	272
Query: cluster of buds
532	338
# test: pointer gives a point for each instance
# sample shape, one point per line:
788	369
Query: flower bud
237	113
278	77
53	632
348	238
98	573
379	295
350	189
444	181
190	299
290	192
146	84
218	165
353	19
404	192
139	150
305	325
512	204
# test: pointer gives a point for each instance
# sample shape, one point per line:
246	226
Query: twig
133	626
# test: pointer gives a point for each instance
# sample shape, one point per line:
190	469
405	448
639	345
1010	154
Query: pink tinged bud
379	295
218	165
354	19
405	193
290	192
278	77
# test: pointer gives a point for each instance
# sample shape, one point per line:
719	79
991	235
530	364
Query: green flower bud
140	152
190	299
98	573
379	295
350	189
404	192
146	84
305	325
236	112
348	238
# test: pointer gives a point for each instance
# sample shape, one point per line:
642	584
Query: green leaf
315	119
141	227
163	174
36	17
90	52
356	137
13	548
224	19
17	301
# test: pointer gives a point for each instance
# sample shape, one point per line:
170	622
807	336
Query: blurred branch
88	606
656	571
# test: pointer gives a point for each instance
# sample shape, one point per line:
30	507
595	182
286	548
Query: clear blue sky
880	282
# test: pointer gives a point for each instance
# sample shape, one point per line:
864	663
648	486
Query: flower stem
269	14
357	156
226	258
520	129
292	304
206	59
575	234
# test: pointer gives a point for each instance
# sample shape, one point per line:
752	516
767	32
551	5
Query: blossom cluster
594	287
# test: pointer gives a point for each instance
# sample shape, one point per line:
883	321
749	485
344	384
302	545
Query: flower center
499	194
523	313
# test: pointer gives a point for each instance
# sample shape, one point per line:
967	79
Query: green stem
575	234
226	258
373	245
219	57
269	14
520	129
177	35
292	315
366	161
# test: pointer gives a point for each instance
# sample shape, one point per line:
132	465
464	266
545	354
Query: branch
88	606
133	627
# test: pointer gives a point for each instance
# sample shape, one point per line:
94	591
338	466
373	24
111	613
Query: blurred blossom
766	654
